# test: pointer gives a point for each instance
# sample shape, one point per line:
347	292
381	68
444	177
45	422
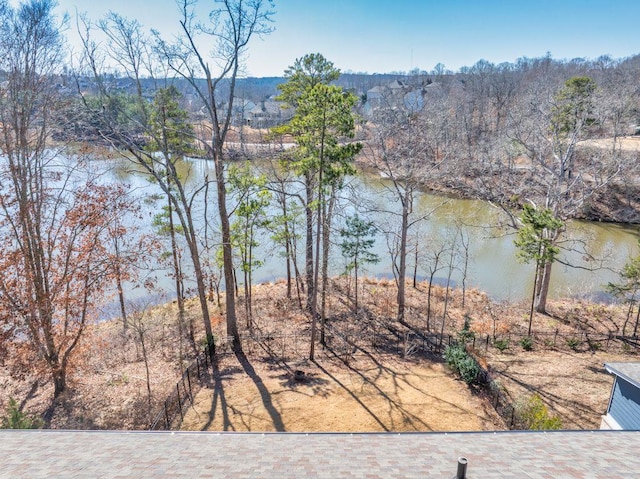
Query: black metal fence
576	341
404	343
189	384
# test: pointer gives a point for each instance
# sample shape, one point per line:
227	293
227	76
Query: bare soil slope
574	386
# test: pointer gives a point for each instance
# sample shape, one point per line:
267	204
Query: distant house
268	113
414	101
239	112
399	96
623	411
384	97
397	85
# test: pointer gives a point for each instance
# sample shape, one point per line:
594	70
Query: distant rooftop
533	455
630	371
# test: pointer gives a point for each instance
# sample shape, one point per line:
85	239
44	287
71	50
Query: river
596	250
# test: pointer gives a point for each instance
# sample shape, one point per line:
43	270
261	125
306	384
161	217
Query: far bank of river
596	250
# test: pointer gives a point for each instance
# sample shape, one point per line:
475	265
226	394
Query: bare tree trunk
287	240
465	265
118	274
249	284
415	266
402	268
533	297
429	303
632	302
298	276
314	296
194	251
309	245
227	252
59	376
177	271
446	296
325	262
145	358
541	306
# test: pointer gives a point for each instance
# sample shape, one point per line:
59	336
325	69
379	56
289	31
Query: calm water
492	265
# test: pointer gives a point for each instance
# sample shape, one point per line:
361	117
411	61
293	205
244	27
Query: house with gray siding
623	411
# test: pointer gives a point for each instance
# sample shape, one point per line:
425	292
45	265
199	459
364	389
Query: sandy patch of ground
364	395
625	143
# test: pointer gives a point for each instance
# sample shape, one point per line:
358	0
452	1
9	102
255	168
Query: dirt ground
574	385
375	389
367	395
626	143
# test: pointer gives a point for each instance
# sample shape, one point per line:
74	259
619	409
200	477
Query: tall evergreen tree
323	120
536	242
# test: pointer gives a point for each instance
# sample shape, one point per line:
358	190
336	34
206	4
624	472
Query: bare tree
403	153
55	218
562	176
141	326
123	122
230	27
436	251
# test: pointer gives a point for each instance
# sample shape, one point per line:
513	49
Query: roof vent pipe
462	468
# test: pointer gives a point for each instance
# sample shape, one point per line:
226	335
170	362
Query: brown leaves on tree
56	267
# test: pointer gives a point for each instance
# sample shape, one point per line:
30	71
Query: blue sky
377	36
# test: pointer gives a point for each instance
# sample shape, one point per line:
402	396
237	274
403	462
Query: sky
382	36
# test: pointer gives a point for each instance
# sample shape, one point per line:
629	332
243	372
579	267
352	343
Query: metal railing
175	404
383	340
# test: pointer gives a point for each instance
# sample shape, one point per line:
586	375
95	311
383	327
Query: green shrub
466	335
595	346
459	360
535	415
453	355
469	370
501	344
16	419
527	343
573	343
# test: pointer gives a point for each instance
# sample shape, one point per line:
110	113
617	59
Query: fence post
189	382
179	401
166	415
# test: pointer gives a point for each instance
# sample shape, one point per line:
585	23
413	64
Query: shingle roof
538	455
629	371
